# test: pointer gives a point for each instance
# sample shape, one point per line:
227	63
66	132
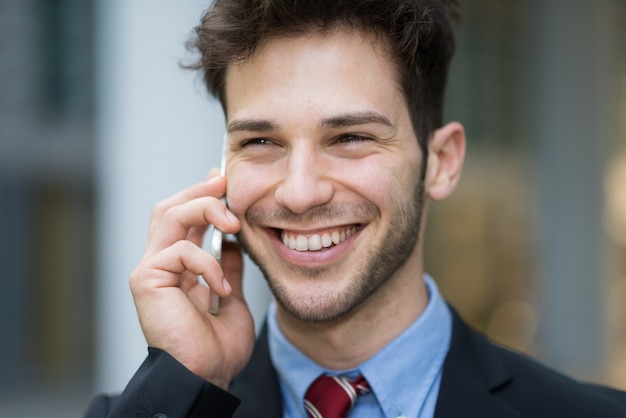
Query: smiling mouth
318	241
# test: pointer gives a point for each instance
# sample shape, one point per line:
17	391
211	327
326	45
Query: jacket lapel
257	385
472	372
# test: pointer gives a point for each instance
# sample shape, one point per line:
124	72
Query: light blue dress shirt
404	376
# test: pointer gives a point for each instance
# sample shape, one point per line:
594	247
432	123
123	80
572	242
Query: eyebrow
353	119
334	122
254	125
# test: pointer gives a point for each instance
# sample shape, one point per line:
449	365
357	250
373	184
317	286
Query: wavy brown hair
418	33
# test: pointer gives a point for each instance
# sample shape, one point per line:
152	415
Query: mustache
283	215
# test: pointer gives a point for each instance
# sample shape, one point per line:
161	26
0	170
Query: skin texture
319	141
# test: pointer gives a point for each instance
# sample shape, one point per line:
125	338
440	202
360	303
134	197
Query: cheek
245	185
376	184
383	179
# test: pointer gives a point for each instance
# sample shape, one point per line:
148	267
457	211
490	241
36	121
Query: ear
446	153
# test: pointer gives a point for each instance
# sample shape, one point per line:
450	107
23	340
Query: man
335	144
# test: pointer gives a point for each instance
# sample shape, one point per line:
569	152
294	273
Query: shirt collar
412	362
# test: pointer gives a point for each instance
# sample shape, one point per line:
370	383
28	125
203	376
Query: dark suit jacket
479	380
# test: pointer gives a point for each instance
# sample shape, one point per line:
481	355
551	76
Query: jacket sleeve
163	386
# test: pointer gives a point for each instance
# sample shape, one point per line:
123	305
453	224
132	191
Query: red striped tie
332	396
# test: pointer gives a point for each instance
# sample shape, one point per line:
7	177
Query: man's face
323	171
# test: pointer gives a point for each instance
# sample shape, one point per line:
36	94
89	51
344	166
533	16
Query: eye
257	142
352	138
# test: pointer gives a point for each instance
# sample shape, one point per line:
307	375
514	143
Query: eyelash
257	141
341	139
348	138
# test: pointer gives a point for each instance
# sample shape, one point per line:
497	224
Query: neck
349	341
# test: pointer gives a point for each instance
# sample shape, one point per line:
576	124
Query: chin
318	303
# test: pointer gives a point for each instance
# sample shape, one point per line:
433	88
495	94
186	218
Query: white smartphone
216	240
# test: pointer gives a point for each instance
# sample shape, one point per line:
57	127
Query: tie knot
333	396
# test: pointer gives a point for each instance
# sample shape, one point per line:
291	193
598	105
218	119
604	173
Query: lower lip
312	258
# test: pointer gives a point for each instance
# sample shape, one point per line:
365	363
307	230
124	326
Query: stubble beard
389	255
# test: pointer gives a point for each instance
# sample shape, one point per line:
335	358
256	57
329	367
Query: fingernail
226	285
213	173
231	217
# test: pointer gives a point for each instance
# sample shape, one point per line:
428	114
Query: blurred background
98	122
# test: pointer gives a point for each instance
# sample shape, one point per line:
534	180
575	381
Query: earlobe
446	153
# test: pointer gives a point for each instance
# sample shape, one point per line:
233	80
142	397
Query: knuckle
168	213
159	209
135	278
183	246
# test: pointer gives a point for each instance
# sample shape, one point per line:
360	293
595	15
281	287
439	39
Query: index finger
179	220
215	187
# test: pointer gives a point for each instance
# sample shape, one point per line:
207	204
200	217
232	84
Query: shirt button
159	416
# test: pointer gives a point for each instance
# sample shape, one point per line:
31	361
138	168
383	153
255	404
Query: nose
305	182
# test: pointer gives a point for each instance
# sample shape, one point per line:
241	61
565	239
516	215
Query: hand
173	307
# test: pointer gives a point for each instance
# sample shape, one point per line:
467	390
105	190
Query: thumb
232	266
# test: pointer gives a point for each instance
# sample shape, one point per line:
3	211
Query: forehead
332	68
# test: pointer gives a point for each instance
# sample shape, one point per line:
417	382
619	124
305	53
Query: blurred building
98	122
46	194
528	247
46	198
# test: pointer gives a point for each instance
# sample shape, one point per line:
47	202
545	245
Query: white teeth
302	244
316	242
327	241
289	241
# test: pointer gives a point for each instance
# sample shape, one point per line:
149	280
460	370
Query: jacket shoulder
483	379
538	387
